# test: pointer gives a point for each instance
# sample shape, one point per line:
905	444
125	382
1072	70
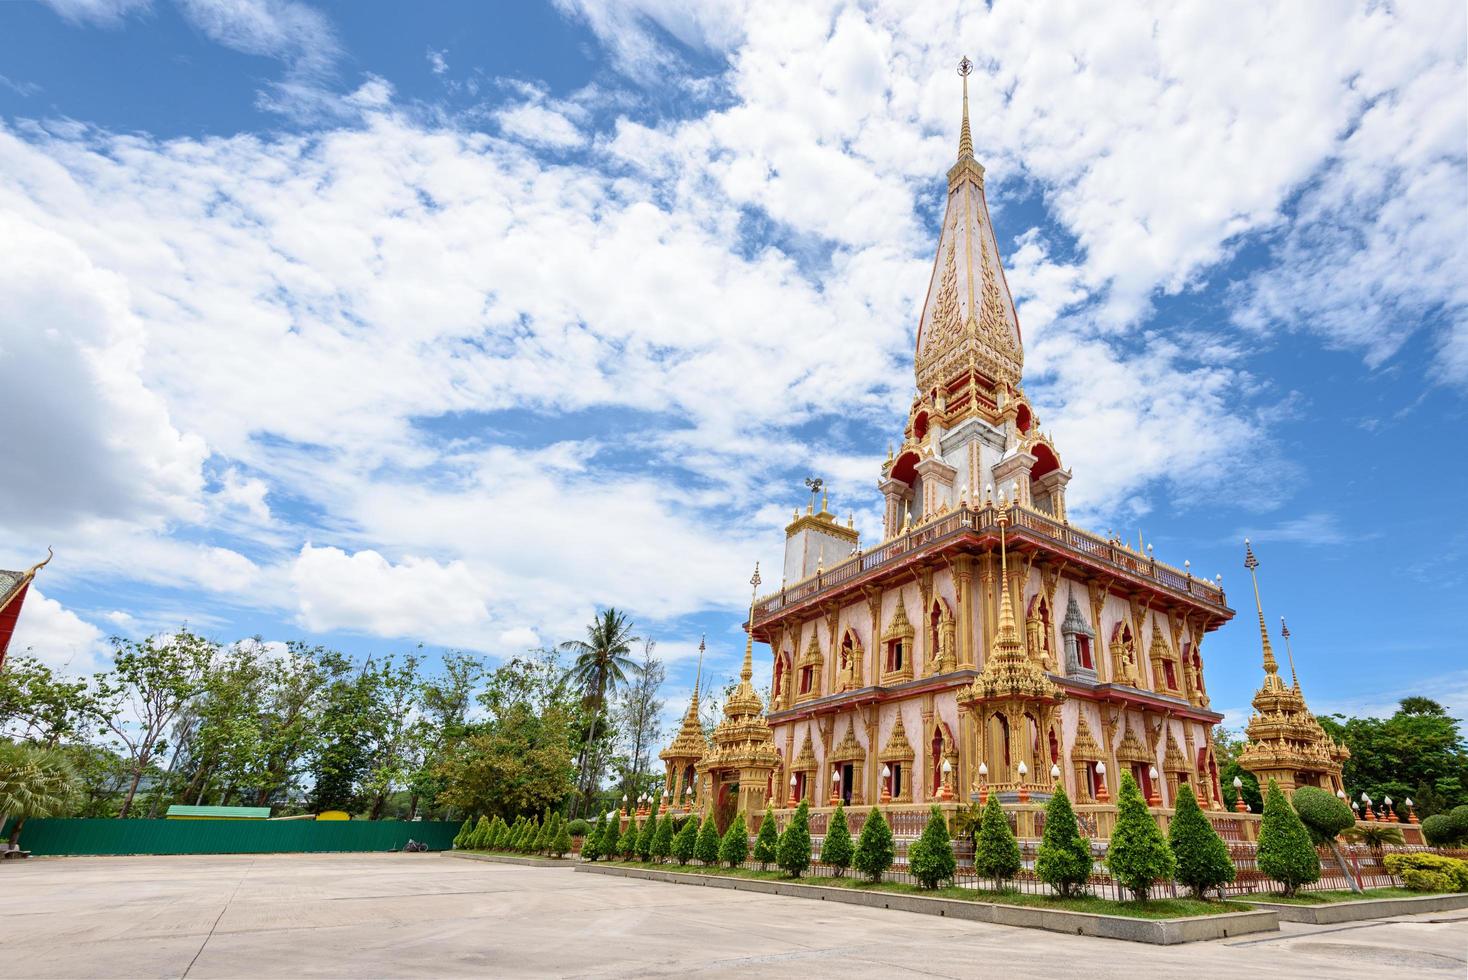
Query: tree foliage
686	840
930	858
767	841
875	849
1064	858
662	839
996	852
734	848
837	847
1201	855
1286	852
1323	815
1137	854
706	849
792	853
35	781
1419	752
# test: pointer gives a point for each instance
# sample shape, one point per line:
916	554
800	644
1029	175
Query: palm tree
34	782
602	664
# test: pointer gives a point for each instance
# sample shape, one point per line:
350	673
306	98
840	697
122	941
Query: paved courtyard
400	915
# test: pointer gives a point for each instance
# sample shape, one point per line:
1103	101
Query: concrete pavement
408	915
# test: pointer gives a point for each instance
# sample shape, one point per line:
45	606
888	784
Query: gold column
963	574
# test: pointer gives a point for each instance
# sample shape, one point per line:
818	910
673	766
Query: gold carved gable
848	748
1085	747
898	749
812	656
805	760
1131	749
900	628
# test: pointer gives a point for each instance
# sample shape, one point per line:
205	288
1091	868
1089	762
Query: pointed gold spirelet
1251	563
965	137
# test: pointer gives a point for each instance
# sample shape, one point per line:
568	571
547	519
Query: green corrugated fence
46	837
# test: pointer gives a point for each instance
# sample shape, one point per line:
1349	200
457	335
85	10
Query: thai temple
985	645
1286	743
13	589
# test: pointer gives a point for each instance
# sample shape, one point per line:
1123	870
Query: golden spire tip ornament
1252	563
965	137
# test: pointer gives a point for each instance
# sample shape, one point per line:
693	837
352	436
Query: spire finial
1251	563
747	671
698	677
965	138
1284	631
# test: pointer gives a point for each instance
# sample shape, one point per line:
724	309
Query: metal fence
80	836
1364	864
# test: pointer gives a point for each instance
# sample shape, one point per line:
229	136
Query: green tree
1138	854
645	836
481	838
1285	851
601	665
837	847
150	683
662	839
734	848
766	841
1201	855
35	781
686	840
637	715
591	843
561	845
930	858
628	846
996	852
1226	748
793	851
544	837
1325	817
40	707
707	847
464	832
1420	747
1064	859
875	849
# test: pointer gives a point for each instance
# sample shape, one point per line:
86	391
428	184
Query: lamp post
1390	811
625	807
1055	776
945	791
886	783
1102	794
664	807
835	786
1154	797
1239	805
1366	805
983	783
793	801
1411	813
1024	770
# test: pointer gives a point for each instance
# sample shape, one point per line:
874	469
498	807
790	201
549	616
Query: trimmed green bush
541	840
627	847
793	853
1201	855
734	848
591	841
463	833
1429	872
686	840
707	847
578	827
645	836
767	841
930	858
560	845
1323	815
1437	830
1138	854
1064	859
662	839
1286	852
498	831
837	847
875	849
996	852
481	839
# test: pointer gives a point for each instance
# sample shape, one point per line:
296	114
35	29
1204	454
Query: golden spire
746	673
698	677
1007	637
965	138
1251	563
1284	631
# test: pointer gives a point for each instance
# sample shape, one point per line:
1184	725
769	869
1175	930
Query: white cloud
437	62
57	636
295	33
537	124
105	13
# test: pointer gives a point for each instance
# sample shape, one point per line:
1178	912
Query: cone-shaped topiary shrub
591	843
837	847
996	852
1286	852
1064	859
628	845
464	833
606	844
645	836
793	852
875	849
1201	855
686	840
706	849
479	838
767	841
734	848
560	844
662	839
491	834
544	834
930	858
1138	854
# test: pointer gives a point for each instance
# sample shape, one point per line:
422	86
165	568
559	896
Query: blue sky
379	324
